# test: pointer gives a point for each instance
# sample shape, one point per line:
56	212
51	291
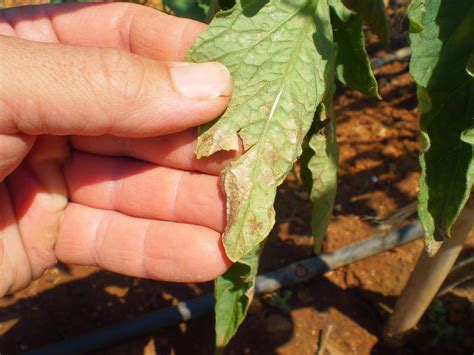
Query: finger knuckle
123	75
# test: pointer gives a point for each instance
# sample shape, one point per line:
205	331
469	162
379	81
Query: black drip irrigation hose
317	265
272	281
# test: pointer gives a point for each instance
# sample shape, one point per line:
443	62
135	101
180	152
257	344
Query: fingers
145	190
14	264
62	90
39	196
13	148
138	247
174	150
38	213
131	27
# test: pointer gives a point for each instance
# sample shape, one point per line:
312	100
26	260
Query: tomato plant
284	56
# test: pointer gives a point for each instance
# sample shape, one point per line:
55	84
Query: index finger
138	29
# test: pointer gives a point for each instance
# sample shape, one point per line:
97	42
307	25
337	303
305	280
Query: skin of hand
97	140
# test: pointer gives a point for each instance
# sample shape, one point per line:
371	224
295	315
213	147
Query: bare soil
344	311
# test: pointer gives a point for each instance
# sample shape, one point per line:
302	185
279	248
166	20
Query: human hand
97	161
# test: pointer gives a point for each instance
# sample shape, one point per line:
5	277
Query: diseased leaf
234	292
352	62
278	53
441	53
319	163
373	12
281	57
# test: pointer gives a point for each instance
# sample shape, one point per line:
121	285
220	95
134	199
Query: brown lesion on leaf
255	226
204	145
272	156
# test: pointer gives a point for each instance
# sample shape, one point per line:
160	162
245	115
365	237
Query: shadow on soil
100	299
83	305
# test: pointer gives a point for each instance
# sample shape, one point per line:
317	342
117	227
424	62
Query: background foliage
284	55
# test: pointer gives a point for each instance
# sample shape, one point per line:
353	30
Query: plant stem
214	8
428	276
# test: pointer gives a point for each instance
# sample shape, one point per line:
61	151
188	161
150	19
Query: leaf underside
279	64
442	34
374	14
319	163
320	158
352	62
281	57
234	292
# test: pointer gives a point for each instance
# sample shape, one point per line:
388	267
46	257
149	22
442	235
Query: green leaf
467	136
352	62
415	12
234	292
373	12
281	56
319	163
441	55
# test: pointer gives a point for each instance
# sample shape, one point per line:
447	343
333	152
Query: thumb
61	90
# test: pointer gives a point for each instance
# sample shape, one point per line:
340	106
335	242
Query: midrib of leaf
248	49
289	66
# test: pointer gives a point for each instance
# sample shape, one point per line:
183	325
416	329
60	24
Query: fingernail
201	81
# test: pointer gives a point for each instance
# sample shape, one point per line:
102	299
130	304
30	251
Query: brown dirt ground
378	174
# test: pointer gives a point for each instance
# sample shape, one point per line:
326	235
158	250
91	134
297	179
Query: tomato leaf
374	14
234	292
319	163
442	44
352	62
278	53
281	57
